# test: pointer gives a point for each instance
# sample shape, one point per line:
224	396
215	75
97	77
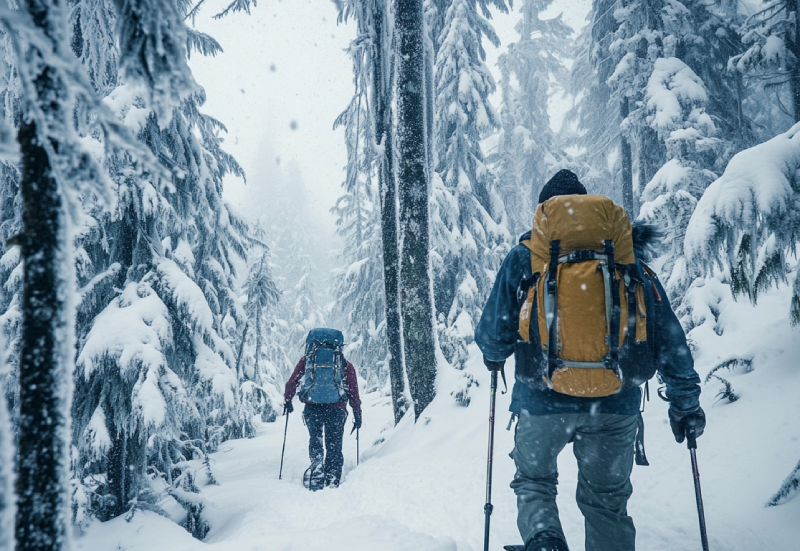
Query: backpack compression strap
613	329
551	308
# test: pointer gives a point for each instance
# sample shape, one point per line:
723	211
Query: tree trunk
430	98
652	156
794	46
6	469
626	160
42	497
117	470
387	185
46	355
413	191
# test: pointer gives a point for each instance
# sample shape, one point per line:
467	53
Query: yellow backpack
587	286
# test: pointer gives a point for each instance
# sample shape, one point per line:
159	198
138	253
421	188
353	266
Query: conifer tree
54	168
773	49
676	100
373	67
258	378
593	122
159	311
528	147
468	239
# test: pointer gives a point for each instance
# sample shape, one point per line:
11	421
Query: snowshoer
327	382
574	280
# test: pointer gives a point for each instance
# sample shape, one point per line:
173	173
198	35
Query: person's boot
314	479
546	544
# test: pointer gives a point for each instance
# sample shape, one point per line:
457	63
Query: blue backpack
323	382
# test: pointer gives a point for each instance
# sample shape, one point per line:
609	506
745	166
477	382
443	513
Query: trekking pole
691	442
357	450
285	430
487	509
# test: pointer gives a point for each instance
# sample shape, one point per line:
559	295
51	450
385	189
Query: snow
756	188
189	296
129	330
671	86
96	433
212	368
421	487
148	400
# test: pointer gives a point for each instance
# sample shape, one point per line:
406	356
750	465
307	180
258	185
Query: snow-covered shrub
788	490
749	219
188	495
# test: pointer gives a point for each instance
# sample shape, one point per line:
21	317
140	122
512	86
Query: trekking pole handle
691	439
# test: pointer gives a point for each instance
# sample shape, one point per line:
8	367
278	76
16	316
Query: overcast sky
283	78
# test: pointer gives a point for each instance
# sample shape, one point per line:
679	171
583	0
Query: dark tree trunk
44	373
794	47
652	156
413	192
626	160
430	98
387	185
42	497
117	471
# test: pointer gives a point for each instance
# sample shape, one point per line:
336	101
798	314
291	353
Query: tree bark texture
413	191
793	6
652	156
42	497
44	367
381	104
626	160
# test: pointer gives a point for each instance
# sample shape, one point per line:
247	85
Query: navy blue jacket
497	332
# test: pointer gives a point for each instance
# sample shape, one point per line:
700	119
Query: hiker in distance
327	381
576	279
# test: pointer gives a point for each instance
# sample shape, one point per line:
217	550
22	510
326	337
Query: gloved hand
356	421
493	365
683	423
288	408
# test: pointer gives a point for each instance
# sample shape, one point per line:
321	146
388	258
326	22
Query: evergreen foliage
592	125
360	305
788	490
747	221
158	309
532	70
468	240
675	101
773	49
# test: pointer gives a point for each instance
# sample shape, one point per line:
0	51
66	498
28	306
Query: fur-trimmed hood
647	240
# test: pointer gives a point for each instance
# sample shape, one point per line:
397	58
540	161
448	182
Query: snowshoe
314	477
514	547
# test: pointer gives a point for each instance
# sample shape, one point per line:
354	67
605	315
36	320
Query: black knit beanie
565	182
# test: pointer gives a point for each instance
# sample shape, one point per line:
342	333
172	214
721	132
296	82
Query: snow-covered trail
422	489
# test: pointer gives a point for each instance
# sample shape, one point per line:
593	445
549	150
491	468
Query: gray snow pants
603	446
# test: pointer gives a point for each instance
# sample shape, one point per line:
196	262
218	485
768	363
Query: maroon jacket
349	379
